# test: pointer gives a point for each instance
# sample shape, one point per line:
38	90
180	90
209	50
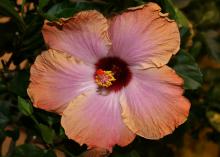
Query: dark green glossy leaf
25	107
196	49
176	14
48	118
4	114
214	119
212	41
2	87
14	134
187	68
2	135
43	3
18	85
67	9
214	94
181	3
49	153
7	37
211	14
30	150
63	9
47	133
8	9
3	120
211	75
134	154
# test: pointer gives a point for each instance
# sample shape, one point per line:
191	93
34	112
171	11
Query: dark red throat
120	69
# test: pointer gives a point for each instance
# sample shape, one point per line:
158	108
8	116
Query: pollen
104	78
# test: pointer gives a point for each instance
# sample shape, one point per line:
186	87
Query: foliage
197	62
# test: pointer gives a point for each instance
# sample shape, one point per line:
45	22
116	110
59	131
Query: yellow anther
104	78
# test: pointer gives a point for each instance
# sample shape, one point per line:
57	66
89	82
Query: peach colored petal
84	36
152	104
95	120
144	37
56	78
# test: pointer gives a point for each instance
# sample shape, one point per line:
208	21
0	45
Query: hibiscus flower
108	78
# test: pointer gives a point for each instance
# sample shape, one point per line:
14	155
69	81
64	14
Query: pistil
104	78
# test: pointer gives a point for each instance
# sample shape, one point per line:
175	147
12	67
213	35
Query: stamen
104	78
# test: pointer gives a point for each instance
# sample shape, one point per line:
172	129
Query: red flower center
112	73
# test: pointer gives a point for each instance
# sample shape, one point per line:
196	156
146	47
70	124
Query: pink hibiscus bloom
108	79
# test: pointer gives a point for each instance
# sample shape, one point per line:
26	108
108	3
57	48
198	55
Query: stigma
104	78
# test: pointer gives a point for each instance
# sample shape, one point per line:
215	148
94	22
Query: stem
35	120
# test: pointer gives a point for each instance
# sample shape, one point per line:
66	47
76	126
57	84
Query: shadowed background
29	132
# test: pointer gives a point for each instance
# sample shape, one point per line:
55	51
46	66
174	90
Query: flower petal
152	104
56	79
144	37
96	120
84	36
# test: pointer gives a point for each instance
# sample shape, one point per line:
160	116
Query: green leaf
210	75
210	16
134	153
47	133
181	3
48	118
25	107
67	9
7	8
18	85
3	120
14	134
212	41
214	94
214	119
43	3
176	14
5	114
49	153
196	49
30	150
187	68
63	9
7	37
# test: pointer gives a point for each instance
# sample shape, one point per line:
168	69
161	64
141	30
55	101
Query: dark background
29	132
